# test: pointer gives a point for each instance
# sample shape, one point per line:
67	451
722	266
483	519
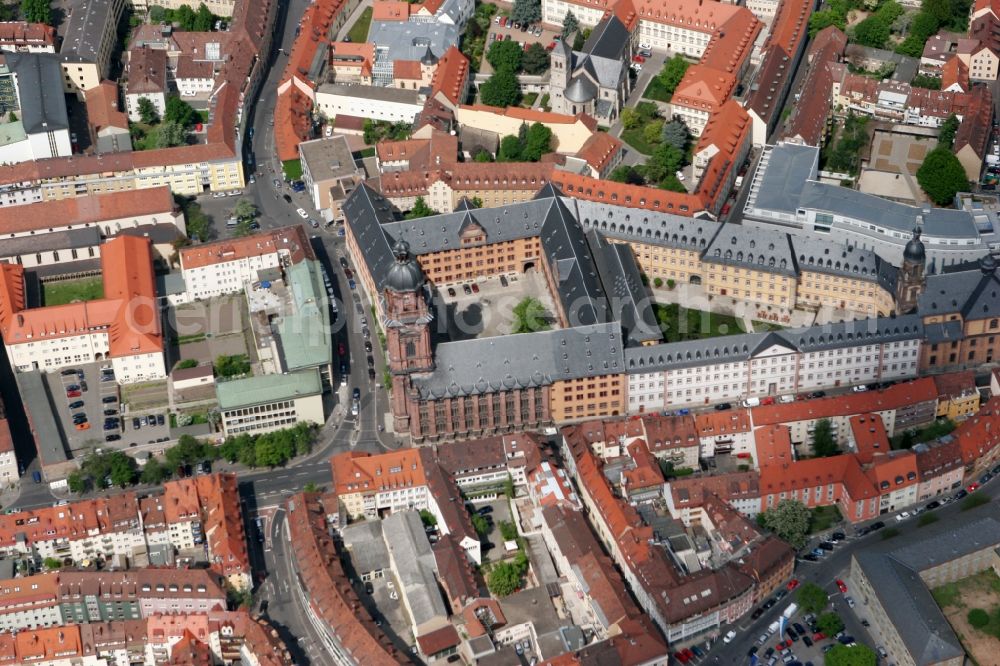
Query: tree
941	176
12	117
939	9
570	24
873	32
507	530
823	19
36	11
663	163
245	210
483	156
77	482
501	89
123	470
812	598
505	55
480	524
51	563
653	130
503	579
538	142
180	112
198	224
232	366
946	135
625	173
855	655
203	19
526	12
675	133
824	444
535	60
978	618
510	149
631	119
476	202
185	16
170	134
829	623
147	111
157	14
672	73
530	316
420	209
789	520
428	518
186	363
154	472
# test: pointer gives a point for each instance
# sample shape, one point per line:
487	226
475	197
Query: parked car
451	292
343	262
723	406
467	289
792	584
860	388
838	536
841	585
68	371
136	424
933	505
76	404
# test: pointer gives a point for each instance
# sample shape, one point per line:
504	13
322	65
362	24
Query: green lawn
359	31
59	293
695	324
292	169
655	90
823	518
634	138
529	100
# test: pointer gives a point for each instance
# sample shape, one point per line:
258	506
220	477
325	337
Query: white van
790	611
751	402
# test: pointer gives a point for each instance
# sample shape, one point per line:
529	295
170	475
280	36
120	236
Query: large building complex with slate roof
786	194
896	582
605	356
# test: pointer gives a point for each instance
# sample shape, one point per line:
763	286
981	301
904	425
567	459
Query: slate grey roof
86	27
739	348
39	90
415	566
948	331
737	245
648	226
42	419
788	184
580	90
377	93
630	304
408	40
894	574
366	547
971	293
608	39
58	240
822	256
486	365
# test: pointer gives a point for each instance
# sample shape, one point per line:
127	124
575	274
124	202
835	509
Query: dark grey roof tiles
736	245
487	365
630	304
40	91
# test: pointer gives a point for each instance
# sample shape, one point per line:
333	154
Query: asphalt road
824	573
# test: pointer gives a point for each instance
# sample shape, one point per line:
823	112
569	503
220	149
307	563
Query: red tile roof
894	471
103	109
22	33
292	239
703	88
599	150
406	69
774	445
894	397
438	640
451	76
92	209
869	437
974	131
390	10
954	72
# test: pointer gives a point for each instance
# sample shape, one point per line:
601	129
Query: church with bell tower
912	277
407	328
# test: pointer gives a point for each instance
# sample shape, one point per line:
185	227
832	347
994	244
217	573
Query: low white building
375	102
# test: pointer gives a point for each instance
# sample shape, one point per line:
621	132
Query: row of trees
187	19
509	55
528	145
874	30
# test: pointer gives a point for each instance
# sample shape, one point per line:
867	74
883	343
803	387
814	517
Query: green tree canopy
538	142
154	472
823	441
812	598
570	24
51	563
527	12
530	316
941	176
978	618
245	209
36	11
420	209
789	520
169	134
672	73
829	623
501	89
535	60
232	365
180	112
625	173
505	55
676	134
147	111
203	19
855	655
873	32
946	135
480	524
503	579
510	149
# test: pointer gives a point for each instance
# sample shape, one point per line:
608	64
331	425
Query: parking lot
78	400
498	512
386	608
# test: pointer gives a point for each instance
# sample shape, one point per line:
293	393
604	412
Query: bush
508	531
657	282
186	363
978	618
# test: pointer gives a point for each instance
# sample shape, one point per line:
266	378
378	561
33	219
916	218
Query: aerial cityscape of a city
499	332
